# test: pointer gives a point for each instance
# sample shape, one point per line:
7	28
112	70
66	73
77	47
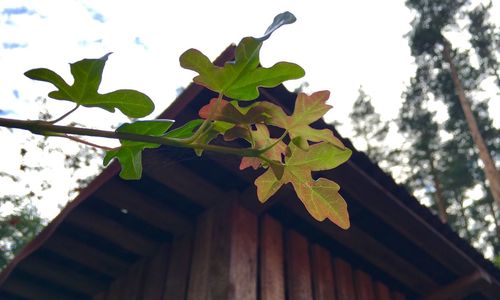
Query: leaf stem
204	125
64	116
46	128
273	144
74	138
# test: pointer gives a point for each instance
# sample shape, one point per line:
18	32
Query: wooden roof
114	223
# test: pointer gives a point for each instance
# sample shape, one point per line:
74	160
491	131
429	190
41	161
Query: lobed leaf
240	79
87	74
320	197
130	152
308	109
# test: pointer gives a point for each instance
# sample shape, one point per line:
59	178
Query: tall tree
368	126
427	41
419	127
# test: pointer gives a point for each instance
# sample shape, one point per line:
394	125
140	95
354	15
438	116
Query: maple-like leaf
231	112
130	152
320	197
241	78
308	109
261	139
87	74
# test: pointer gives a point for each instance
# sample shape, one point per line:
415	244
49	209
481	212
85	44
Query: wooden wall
233	254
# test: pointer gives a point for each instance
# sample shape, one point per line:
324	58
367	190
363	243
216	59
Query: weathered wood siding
234	254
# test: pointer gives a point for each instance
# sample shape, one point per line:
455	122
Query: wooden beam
322	274
364	286
62	275
178	267
123	196
460	287
224	264
343	279
298	273
372	250
174	177
272	260
31	290
112	231
86	255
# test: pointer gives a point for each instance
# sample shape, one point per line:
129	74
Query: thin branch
64	116
74	138
45	128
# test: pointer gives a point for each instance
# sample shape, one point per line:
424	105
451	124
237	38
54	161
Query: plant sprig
289	158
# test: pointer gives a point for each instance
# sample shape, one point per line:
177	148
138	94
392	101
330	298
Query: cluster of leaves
290	158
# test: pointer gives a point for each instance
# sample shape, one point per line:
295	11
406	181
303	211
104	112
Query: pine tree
428	43
368	127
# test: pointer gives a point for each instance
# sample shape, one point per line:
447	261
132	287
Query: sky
340	44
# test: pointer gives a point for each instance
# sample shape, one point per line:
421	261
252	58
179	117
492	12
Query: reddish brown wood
198	281
100	296
122	196
62	275
398	296
322	274
32	290
133	283
178	268
344	283
155	274
272	274
363	286
243	256
381	291
298	274
86	255
112	231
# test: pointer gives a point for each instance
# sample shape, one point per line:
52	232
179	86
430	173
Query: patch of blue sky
23	10
14	45
15	93
139	42
96	15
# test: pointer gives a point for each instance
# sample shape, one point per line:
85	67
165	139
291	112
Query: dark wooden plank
100	296
322	274
363	244
272	260
298	274
156	273
205	193
363	286
112	231
398	296
243	257
178	268
122	196
381	291
200	267
344	283
62	275
86	255
32	290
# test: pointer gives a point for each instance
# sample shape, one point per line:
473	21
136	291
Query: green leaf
231	112
130	152
240	79
320	197
186	130
261	139
87	74
308	109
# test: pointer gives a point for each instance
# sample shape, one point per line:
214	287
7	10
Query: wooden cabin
192	228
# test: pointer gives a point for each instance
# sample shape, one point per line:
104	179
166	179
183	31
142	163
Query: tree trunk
460	201
439	193
489	165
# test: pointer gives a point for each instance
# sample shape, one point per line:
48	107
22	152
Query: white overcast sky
340	44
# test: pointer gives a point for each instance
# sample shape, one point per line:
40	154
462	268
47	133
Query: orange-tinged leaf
308	109
228	112
261	139
320	197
